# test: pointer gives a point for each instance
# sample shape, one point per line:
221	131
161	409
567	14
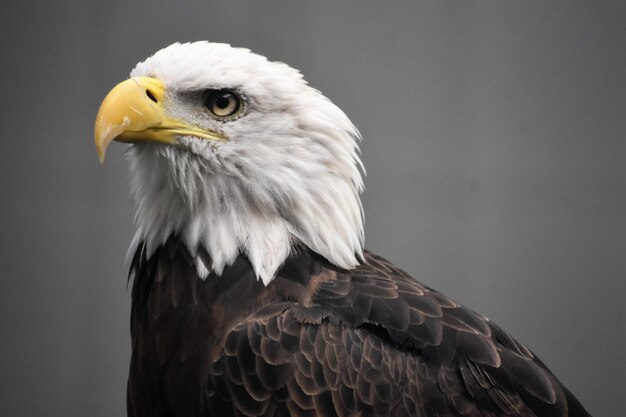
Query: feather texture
320	341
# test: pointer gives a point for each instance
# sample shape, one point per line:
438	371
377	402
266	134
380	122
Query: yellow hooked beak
133	112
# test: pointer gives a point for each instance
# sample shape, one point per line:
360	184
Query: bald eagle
252	294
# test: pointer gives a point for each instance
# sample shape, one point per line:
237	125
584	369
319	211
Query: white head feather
289	173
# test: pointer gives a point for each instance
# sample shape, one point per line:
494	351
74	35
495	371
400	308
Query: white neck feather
228	215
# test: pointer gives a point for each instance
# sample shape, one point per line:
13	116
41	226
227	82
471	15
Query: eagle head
236	155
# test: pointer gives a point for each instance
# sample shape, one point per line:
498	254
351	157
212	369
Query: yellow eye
223	103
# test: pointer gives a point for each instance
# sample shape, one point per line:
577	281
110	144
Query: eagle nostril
151	96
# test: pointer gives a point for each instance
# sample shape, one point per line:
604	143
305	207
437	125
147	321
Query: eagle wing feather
322	341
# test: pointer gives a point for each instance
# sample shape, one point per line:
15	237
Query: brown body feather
320	341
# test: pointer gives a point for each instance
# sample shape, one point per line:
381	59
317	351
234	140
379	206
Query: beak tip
101	153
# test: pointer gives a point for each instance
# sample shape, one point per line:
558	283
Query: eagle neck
224	215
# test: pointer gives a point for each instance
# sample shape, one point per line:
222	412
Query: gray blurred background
494	140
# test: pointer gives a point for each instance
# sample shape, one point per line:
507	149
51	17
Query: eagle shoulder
374	341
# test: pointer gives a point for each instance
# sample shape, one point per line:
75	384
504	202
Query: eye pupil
223	103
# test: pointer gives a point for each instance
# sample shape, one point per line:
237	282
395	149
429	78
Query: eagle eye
223	103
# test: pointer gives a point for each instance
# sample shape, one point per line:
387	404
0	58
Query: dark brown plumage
320	341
